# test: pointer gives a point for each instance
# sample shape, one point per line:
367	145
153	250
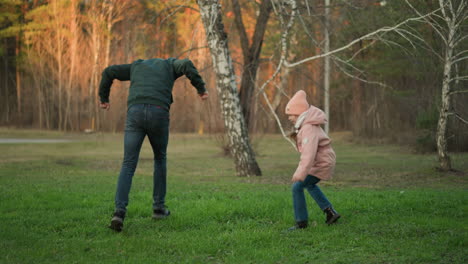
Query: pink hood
317	155
315	116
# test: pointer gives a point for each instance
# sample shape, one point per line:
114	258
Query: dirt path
31	140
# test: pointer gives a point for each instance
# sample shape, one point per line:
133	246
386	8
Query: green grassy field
56	202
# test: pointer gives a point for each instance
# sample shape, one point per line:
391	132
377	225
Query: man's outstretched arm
186	67
120	72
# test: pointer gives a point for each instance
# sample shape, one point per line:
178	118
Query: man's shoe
332	215
117	221
299	225
161	213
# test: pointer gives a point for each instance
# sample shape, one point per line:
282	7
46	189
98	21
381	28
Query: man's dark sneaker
299	225
332	215
161	213
117	221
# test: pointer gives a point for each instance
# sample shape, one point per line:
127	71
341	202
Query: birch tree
286	28
72	54
454	16
448	24
95	18
376	36
240	147
326	70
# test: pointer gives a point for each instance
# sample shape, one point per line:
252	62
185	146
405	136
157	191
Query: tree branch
461	118
463	78
277	120
356	77
191	49
433	24
456	42
459	91
459	59
244	40
282	59
283	44
177	8
381	30
442	8
361	50
260	27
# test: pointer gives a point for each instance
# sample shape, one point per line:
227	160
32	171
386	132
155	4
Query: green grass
56	201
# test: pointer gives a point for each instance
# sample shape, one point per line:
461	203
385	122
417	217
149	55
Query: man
149	101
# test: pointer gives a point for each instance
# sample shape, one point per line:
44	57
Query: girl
317	158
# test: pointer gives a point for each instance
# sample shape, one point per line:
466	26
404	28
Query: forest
378	68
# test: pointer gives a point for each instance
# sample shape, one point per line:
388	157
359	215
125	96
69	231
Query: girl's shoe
299	225
332	215
117	221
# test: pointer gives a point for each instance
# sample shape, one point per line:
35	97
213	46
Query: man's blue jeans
300	206
144	120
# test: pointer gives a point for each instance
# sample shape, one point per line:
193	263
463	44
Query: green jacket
151	81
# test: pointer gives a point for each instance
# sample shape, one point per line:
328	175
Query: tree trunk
73	58
216	37
18	77
442	151
93	89
93	111
19	38
251	54
110	24
6	86
326	70
58	58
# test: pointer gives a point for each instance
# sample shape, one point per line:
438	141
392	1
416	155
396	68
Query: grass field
56	202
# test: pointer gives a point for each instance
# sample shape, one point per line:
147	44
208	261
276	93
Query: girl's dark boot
299	225
332	215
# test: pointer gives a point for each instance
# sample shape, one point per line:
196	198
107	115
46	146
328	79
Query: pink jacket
317	155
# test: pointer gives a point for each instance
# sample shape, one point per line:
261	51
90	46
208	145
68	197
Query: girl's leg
299	202
316	193
321	199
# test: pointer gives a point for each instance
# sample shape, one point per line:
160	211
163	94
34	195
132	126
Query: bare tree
377	35
240	147
448	24
73	52
286	27
96	18
250	53
326	70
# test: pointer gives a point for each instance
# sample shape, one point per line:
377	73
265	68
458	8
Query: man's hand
104	106
204	96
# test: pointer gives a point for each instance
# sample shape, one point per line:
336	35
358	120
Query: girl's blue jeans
300	206
144	120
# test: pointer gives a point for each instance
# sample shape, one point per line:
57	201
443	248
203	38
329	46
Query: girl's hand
296	179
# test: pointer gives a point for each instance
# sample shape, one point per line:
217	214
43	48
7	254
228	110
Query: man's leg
132	145
133	138
158	135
